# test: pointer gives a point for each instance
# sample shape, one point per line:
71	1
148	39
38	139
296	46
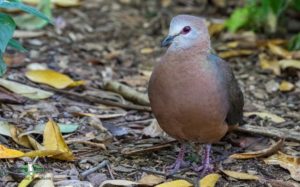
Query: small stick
110	171
93	144
270	132
92	170
98	100
128	92
94	99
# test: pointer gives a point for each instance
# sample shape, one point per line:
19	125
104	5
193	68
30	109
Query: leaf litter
127	137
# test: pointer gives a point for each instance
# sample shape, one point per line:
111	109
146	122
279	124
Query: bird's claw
176	166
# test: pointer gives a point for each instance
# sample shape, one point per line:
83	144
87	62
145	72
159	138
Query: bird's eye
186	29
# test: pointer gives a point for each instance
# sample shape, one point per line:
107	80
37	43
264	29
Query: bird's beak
168	41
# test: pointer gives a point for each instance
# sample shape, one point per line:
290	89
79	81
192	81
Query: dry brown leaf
279	51
120	183
154	130
289	64
267	64
286	86
240	175
9	153
255	154
272	117
280	183
291	163
24	90
151	180
209	180
235	53
28	34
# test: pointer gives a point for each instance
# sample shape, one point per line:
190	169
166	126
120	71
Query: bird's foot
176	166
206	167
203	169
179	163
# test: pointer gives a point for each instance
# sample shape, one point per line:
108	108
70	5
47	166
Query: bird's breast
188	101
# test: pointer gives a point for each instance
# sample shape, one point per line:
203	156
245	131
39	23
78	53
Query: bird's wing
235	95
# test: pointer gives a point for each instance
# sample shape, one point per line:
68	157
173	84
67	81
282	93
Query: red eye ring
186	29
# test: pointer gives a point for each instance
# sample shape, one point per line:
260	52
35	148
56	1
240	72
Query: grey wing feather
235	95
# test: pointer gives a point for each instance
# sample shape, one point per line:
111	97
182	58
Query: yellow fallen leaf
255	154
215	28
235	53
53	140
286	86
279	51
9	153
27	180
25	140
177	183
289	64
209	180
77	83
268	64
272	117
291	163
50	77
42	153
240	175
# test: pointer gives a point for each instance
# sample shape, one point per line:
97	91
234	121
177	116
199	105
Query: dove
193	93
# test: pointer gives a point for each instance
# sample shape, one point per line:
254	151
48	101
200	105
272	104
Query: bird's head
186	32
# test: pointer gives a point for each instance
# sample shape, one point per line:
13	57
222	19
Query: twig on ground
127	92
270	132
93	99
147	149
92	170
93	144
110	171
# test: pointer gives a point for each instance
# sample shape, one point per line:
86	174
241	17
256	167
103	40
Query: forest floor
101	41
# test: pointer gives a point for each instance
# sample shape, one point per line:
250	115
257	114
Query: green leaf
2	66
7	27
276	6
238	19
31	22
15	44
294	43
25	8
64	128
296	5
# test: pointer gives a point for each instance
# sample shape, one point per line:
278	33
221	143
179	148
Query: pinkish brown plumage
193	93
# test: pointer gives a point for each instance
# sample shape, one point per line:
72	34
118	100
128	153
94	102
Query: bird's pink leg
179	161
205	167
